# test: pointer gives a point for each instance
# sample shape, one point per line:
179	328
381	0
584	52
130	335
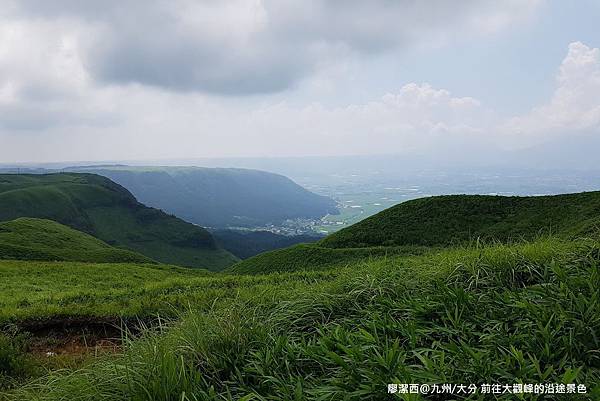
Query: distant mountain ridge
98	206
219	197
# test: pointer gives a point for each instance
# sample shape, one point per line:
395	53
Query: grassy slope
32	290
499	313
314	257
39	239
100	207
443	220
436	222
524	313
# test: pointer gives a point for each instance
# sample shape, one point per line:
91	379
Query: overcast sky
142	79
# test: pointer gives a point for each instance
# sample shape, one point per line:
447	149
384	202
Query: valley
421	291
324	200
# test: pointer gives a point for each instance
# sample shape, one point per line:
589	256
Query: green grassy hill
346	322
39	239
435	222
444	220
526	313
219	197
102	208
314	257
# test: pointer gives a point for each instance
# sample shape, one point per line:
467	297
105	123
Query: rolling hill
105	210
314	257
453	219
219	197
412	227
39	239
361	318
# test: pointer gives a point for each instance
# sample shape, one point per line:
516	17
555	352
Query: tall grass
526	313
15	364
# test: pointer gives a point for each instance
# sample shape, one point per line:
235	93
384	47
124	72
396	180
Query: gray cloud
138	79
252	46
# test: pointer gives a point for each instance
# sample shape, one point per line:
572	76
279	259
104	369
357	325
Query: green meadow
330	320
497	313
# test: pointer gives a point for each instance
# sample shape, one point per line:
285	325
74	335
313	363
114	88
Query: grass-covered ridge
454	219
102	208
314	257
521	313
39	239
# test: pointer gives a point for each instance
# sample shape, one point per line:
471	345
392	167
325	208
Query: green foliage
314	257
39	239
344	322
481	314
447	220
45	291
14	361
102	208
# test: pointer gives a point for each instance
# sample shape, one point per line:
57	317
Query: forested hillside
219	197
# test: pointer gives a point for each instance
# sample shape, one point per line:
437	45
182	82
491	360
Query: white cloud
574	106
43	78
151	123
70	64
61	99
416	118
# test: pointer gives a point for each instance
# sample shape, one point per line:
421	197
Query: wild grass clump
526	313
15	364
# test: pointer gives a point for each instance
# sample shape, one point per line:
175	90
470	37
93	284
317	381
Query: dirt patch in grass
77	336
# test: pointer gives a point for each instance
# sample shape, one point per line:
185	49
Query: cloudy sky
139	79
